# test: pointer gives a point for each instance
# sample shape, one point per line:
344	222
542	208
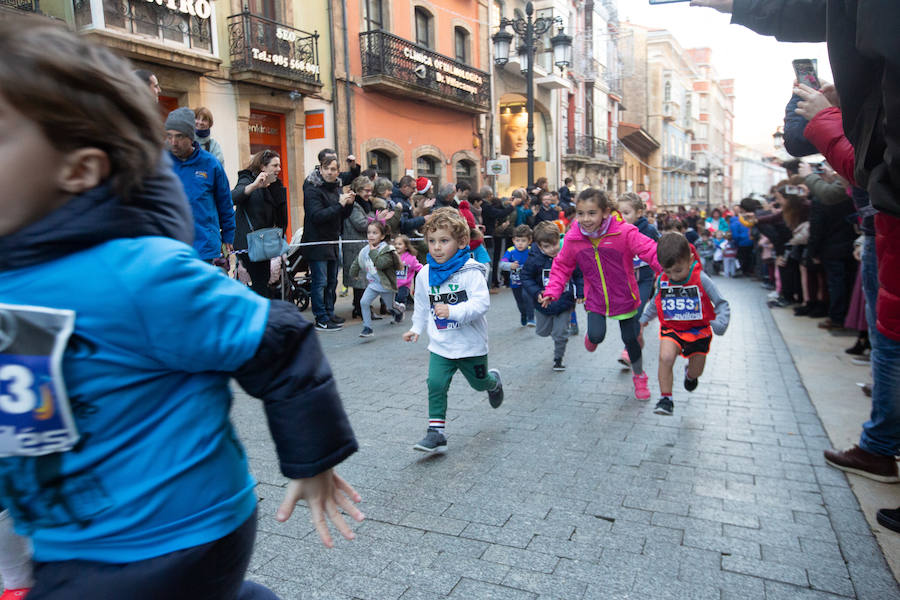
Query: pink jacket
608	268
411	266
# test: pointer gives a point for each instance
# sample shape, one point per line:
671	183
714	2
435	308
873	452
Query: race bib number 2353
35	416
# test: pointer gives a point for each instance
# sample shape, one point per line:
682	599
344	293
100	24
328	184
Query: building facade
754	172
413	87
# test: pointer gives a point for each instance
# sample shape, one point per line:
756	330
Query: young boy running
513	261
451	301
118	346
690	310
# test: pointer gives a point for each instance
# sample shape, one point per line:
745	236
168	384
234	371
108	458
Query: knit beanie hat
181	120
423	184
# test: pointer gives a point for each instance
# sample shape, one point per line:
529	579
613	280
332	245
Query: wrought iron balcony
677	163
25	5
398	66
590	148
262	46
147	20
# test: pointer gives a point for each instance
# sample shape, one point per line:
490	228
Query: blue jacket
510	256
795	142
157	337
209	194
535	275
740	233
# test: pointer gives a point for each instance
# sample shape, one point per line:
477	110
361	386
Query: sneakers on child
624	359
366	332
495	396
588	344
558	365
399	306
523	321
641	389
690	384
573	329
434	441
665	406
531	323
398	315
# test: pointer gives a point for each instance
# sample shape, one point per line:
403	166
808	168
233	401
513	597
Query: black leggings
630	329
259	273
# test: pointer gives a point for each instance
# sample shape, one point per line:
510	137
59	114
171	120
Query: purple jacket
608	268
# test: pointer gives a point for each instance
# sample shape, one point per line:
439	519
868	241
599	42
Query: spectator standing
204	122
565	194
260	200
205	184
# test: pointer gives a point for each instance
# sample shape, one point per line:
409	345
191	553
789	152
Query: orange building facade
412	87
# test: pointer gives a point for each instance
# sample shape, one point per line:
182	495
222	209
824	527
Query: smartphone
805	70
793	190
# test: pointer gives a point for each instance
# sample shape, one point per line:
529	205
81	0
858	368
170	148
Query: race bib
451	297
515	278
545	279
35	416
402	273
681	303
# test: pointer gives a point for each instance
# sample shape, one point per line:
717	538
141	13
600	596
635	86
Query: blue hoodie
156	337
209	194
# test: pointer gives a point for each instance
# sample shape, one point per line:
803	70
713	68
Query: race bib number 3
681	303
452	297
35	417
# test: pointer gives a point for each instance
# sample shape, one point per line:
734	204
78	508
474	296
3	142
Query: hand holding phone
805	70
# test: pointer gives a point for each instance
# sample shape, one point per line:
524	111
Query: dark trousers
630	328
524	304
403	296
745	257
213	571
790	281
839	279
498	246
259	274
323	288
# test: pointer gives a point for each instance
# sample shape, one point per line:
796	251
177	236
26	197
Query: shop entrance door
267	132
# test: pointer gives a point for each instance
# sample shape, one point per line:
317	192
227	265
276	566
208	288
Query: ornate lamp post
531	29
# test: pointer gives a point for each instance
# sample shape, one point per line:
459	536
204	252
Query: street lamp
706	175
531	29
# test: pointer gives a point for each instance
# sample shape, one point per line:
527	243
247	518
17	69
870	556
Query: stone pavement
573	489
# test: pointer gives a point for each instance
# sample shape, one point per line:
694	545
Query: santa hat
423	184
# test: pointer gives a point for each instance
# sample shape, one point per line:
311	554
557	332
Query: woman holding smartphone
260	201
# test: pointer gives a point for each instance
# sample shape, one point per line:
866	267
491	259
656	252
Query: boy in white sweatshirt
451	300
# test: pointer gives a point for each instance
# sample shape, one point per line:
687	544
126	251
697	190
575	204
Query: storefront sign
301	66
202	9
498	166
315	125
447	72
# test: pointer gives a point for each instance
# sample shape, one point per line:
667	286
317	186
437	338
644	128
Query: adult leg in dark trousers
259	274
497	249
745	257
838	278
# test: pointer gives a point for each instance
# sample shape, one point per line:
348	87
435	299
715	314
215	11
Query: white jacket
464	334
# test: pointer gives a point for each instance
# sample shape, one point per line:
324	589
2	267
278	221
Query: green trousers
440	373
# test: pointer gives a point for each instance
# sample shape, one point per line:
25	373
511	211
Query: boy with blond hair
451	303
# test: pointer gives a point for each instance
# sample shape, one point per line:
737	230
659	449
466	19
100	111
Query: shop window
428	167
461	41
466	171
374	15
424	27
381	162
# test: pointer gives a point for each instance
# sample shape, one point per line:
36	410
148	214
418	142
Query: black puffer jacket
323	216
831	233
265	206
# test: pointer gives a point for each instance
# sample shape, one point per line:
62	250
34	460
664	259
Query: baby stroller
294	281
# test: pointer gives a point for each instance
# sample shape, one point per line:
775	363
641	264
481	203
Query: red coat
826	132
466	211
887	247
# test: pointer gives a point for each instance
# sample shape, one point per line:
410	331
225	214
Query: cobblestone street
573	489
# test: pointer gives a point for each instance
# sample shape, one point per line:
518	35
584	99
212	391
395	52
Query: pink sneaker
14	594
624	360
588	344
641	390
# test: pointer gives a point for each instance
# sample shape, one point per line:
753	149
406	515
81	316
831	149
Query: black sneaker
890	518
366	332
398	315
690	384
664	407
573	329
337	320
495	396
434	441
328	326
778	302
557	365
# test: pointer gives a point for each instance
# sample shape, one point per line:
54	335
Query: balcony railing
678	163
148	19
265	46
26	5
590	147
394	63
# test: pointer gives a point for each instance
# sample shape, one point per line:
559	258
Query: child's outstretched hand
544	301
579	300
325	494
410	336
442	311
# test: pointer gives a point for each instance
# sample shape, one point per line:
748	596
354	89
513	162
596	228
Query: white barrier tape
341	243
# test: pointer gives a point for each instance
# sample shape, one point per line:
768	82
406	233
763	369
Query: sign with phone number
280	60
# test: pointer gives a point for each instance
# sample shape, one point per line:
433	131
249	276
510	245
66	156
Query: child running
406	275
120	344
380	262
631	208
512	262
554	319
451	302
690	310
603	245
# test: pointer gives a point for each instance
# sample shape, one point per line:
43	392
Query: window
264	8
381	162
423	28
374	15
427	166
668	92
461	42
465	171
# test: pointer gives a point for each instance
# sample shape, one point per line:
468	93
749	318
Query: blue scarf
438	273
203	133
